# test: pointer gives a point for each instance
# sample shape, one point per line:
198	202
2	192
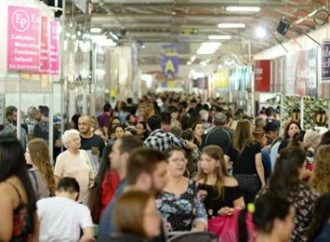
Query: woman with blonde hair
41	173
321	173
245	153
219	191
136	217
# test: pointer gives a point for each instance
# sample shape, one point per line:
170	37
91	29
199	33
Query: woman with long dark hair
320	228
287	181
290	130
105	186
273	219
17	198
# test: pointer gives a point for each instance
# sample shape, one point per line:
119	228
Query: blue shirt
106	226
324	235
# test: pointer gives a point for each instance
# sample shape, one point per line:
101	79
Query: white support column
19	96
51	120
302	112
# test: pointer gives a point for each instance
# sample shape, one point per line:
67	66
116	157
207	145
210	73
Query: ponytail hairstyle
266	209
321	216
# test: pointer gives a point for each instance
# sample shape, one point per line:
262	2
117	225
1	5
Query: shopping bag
226	227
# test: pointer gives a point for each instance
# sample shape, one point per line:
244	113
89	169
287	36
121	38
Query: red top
109	186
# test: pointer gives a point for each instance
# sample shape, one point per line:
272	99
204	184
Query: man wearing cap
270	117
220	134
271	130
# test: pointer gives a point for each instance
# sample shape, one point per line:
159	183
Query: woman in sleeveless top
18	221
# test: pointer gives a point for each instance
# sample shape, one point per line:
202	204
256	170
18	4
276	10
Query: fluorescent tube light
208	48
231	25
242	9
96	30
219	37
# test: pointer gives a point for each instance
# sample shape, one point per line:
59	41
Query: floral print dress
181	211
303	199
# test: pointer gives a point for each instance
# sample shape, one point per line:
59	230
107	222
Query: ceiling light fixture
219	37
261	32
96	30
114	36
231	25
242	9
208	48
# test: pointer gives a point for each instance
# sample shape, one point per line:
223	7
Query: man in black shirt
41	130
90	142
220	134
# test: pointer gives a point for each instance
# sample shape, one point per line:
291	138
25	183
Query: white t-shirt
61	219
75	166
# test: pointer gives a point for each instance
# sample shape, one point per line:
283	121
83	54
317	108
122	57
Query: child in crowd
62	218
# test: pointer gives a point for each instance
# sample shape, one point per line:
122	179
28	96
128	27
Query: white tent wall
300	43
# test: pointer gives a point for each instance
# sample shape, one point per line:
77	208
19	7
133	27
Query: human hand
202	194
226	211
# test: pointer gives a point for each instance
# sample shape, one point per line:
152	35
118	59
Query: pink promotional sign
54	48
23	38
44	50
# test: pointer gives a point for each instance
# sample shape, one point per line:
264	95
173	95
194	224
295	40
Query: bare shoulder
230	181
7	189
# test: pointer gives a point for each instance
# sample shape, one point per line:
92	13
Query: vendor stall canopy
235	24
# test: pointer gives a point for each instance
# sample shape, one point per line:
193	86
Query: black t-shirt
213	202
41	130
244	162
94	144
94	147
283	145
218	136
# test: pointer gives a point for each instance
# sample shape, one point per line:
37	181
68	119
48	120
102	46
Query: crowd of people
165	165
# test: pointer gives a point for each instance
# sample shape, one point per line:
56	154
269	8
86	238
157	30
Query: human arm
200	220
34	237
236	197
86	225
88	235
6	208
57	138
190	145
229	163
59	169
178	141
199	226
260	169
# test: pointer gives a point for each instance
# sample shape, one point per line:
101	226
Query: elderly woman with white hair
74	163
312	139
